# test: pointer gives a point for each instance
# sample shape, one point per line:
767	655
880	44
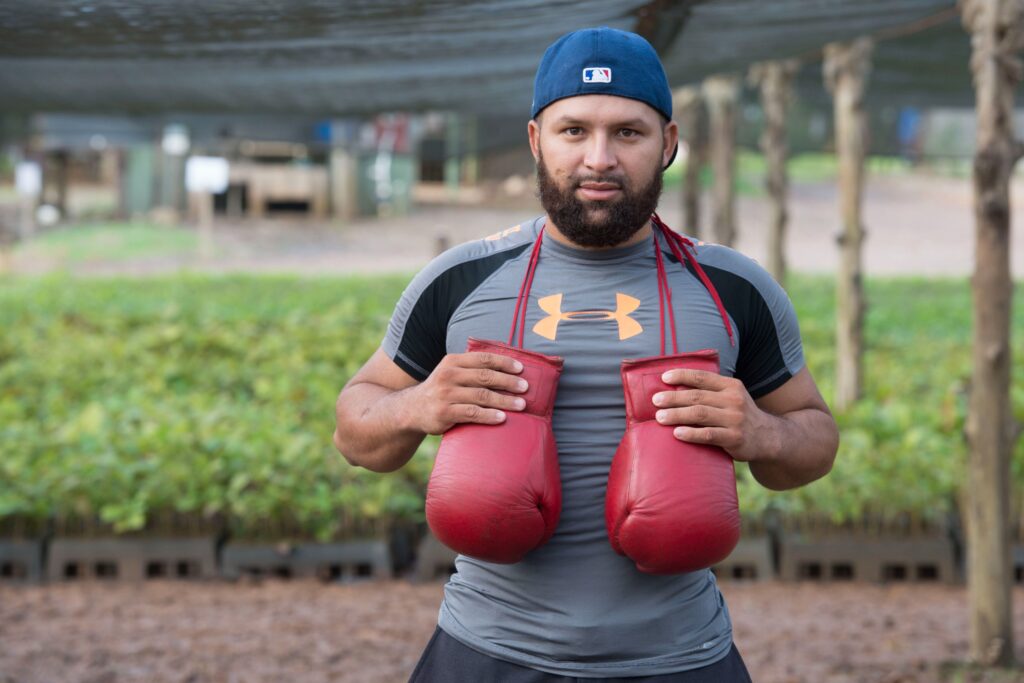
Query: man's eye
628	133
573	130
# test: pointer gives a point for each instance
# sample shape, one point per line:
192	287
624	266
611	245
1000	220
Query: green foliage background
212	397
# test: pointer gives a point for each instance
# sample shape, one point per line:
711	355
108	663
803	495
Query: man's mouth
596	191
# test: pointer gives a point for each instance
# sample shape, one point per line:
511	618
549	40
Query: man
601	133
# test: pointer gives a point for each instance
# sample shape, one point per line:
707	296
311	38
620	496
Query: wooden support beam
344	180
61	167
846	70
721	93
775	81
689	110
453	155
997	36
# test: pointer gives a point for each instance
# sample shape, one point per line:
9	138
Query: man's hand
466	387
716	410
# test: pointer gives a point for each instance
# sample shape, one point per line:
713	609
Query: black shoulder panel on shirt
424	339
760	363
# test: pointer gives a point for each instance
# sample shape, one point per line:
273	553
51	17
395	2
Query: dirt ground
916	224
374	632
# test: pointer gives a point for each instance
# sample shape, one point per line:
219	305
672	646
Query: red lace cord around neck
522	301
677	243
664	299
681	248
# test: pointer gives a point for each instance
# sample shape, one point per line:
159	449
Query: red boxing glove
671	506
495	492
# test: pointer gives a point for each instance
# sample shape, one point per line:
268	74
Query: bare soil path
374	632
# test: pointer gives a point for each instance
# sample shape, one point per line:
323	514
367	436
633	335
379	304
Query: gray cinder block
342	561
21	560
867	558
132	559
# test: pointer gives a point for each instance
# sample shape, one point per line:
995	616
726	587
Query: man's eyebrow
628	123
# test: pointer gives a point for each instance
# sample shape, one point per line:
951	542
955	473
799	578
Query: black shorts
446	660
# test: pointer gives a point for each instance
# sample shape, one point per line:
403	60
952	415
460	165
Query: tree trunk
847	66
721	93
61	162
690	112
997	33
775	80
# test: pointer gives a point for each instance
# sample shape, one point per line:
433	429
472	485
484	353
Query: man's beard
617	221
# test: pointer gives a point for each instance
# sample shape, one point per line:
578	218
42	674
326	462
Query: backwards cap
601	61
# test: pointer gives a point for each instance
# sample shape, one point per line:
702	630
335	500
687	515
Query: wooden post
8	237
344	183
847	66
27	217
721	93
689	108
453	155
997	34
775	80
119	169
203	204
471	160
62	163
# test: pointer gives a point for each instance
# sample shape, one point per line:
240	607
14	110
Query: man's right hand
467	387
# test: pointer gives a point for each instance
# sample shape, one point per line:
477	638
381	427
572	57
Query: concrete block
132	559
856	557
750	559
21	560
434	560
342	561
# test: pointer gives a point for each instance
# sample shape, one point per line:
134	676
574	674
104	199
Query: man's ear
533	131
671	139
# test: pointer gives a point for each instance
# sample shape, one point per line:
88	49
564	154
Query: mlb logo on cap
597	74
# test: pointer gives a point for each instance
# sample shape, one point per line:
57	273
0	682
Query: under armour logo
552	305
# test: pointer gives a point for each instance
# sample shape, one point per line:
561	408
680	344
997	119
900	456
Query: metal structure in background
357	58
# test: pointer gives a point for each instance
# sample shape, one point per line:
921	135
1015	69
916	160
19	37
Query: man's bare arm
788	436
808	437
383	414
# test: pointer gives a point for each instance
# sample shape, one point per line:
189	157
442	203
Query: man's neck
640	235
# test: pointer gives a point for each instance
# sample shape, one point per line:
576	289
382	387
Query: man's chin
597	212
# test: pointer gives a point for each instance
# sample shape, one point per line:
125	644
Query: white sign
175	141
206	174
28	178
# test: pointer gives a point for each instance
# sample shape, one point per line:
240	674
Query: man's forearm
372	429
800	447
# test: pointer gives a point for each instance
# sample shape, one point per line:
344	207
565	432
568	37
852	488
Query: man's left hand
715	410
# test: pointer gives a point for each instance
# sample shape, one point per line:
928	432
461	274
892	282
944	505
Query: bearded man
601	132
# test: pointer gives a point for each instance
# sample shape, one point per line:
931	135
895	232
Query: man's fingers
698	379
699	416
690	397
469	412
714	436
490	379
485	398
492	361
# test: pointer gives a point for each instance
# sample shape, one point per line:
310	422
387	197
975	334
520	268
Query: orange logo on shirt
503	233
624	305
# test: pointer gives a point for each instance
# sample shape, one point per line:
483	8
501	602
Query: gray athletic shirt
574	607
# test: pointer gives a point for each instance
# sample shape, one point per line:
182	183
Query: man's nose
600	154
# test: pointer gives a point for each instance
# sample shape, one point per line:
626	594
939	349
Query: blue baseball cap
601	61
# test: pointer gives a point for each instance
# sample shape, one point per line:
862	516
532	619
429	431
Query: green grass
124	399
110	242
